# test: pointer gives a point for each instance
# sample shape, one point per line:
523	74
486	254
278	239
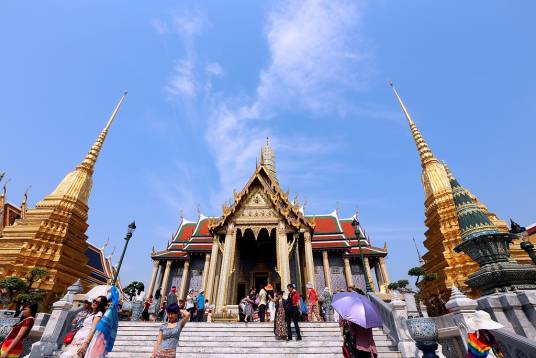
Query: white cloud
214	69
182	82
314	49
316	52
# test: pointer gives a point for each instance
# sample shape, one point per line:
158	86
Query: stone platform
226	339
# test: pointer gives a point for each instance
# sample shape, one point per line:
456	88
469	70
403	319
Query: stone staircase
234	339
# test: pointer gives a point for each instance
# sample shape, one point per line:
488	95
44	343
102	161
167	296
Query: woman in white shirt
83	336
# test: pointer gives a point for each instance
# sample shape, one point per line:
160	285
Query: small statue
515	228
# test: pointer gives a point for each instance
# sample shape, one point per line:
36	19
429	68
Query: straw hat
268	287
482	320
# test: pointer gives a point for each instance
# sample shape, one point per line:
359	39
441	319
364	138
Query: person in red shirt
12	345
312	304
292	311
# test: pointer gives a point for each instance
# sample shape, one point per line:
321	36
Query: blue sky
208	81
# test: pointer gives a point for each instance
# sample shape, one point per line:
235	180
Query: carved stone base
497	271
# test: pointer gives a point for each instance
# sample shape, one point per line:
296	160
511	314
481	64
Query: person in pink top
312	304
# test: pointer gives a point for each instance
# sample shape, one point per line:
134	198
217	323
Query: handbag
69	336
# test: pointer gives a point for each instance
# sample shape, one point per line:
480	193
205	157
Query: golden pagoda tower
53	234
443	233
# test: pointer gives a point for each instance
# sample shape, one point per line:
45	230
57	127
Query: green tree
21	290
132	289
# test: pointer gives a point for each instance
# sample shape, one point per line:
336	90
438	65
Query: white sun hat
482	320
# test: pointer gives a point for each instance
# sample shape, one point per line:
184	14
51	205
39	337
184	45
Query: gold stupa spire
424	150
91	158
77	184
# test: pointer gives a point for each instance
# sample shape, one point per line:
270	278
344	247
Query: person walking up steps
200	306
312	304
292	311
263	295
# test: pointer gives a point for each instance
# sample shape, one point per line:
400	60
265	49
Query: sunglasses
95	301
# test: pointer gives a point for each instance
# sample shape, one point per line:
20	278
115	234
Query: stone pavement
234	339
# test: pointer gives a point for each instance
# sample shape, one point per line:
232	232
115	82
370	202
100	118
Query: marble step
249	354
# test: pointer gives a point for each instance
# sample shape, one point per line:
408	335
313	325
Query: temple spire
91	158
77	184
425	153
268	159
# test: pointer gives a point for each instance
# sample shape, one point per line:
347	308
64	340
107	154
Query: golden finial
4	188
449	173
91	158
24	204
424	151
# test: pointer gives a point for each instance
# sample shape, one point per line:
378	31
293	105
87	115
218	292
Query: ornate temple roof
330	233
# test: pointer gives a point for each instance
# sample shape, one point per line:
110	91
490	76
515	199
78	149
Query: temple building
262	237
53	234
443	233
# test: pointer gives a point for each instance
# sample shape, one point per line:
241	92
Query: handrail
388	318
513	344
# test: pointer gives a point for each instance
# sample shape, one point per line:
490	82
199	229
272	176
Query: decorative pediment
261	201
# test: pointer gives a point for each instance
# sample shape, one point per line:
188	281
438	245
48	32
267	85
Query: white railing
387	314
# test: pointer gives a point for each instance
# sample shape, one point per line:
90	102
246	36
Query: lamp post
130	231
355	224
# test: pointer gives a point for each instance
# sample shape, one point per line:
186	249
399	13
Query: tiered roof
330	233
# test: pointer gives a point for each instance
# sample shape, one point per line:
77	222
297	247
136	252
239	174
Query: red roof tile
326	225
184	232
202	228
348	228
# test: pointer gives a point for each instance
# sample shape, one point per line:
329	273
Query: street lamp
128	236
355	224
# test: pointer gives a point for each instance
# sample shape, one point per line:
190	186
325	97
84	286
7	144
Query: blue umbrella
356	308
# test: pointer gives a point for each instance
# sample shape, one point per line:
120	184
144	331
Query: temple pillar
383	269
205	272
212	270
309	262
156	264
297	263
184	280
165	278
379	276
327	273
225	272
366	263
283	263
348	272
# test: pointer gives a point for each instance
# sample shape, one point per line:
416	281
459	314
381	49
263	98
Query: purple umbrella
356	308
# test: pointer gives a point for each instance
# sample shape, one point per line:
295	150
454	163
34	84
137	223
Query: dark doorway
241	292
261	280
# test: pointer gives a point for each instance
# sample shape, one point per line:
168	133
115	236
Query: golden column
225	272
205	272
212	270
283	264
165	279
184	280
379	276
369	273
383	269
297	262
309	262
327	273
348	272
153	278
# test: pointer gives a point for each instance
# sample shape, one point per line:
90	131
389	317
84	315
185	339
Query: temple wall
357	273
196	272
336	268
176	275
319	271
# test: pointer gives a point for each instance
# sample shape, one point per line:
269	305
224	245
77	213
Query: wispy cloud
316	54
314	47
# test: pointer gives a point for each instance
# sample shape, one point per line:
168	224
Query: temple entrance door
257	261
261	280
